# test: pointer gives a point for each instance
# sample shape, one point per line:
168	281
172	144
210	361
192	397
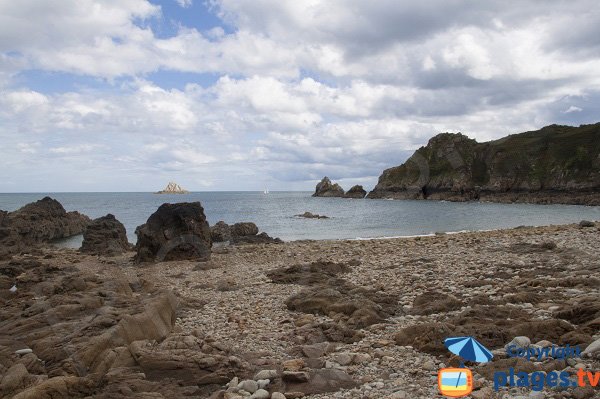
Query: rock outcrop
557	164
327	189
356	192
174	232
38	222
172	188
72	334
105	236
240	233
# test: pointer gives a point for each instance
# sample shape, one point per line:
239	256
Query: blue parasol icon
469	349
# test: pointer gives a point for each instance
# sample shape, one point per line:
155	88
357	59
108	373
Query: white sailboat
266	191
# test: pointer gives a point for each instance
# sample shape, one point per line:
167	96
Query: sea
275	213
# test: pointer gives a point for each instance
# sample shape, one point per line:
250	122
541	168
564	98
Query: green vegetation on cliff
554	164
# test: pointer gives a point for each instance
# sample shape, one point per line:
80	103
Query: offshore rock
327	189
356	192
172	188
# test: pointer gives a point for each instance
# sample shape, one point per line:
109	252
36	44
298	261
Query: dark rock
105	236
262	238
174	232
38	222
313	273
352	306
220	232
426	337
240	233
356	192
586	223
244	229
309	215
327	189
435	302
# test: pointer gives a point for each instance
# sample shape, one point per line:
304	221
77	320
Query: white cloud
302	88
184	3
573	108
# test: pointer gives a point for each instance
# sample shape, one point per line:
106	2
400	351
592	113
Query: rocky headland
556	164
312	319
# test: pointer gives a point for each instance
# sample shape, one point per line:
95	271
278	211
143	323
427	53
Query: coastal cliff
556	164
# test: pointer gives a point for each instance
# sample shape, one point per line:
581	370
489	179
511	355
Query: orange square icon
455	382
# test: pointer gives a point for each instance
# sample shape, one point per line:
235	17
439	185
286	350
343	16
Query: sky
127	95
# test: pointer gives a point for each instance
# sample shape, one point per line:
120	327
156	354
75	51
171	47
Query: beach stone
277	395
105	236
248	386
174	232
592	348
266	375
233	383
260	394
317	350
263	383
343	359
293	365
521	342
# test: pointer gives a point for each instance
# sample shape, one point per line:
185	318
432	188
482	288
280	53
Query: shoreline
247	304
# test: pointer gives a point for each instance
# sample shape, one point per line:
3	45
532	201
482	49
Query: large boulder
220	232
356	192
325	188
174	232
105	236
244	229
38	222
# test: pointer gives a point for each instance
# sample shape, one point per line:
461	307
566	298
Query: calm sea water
350	218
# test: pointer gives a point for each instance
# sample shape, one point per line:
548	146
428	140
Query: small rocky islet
178	317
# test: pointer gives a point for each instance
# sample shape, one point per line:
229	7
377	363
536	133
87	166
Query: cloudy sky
125	95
